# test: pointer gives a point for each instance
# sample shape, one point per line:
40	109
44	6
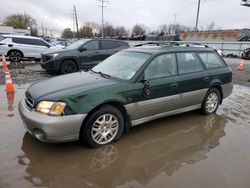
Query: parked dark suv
129	88
246	54
83	54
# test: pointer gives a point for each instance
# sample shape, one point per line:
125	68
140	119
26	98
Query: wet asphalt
187	150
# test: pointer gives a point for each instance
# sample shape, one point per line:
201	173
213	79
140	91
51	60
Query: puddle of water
187	150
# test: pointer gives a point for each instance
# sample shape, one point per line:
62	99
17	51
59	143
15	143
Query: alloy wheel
105	129
15	56
212	102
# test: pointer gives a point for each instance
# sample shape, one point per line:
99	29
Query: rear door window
188	63
108	44
161	66
20	40
211	60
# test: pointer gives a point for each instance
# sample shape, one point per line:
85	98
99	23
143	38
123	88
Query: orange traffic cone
8	84
240	66
4	65
10	98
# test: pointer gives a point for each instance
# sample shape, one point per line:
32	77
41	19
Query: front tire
103	127
211	101
68	66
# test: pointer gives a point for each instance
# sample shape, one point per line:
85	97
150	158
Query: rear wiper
101	73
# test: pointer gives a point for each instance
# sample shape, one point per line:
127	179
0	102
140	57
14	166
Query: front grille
29	101
46	58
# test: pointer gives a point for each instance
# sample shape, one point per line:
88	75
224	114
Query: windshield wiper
101	73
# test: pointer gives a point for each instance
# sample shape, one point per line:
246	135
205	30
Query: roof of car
169	48
109	39
20	36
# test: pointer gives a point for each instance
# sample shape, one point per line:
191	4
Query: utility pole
175	18
73	29
102	6
174	23
76	21
42	30
197	17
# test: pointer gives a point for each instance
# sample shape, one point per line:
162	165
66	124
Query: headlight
51	108
54	55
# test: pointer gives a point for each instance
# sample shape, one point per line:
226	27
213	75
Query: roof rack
172	44
158	44
147	43
195	44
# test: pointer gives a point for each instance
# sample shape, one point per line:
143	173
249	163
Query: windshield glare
76	44
122	65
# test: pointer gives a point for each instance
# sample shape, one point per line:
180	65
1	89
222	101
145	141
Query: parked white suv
18	47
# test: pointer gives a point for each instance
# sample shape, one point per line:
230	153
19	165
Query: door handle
207	78
174	85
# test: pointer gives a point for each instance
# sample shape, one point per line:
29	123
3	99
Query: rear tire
15	56
211	102
104	126
68	66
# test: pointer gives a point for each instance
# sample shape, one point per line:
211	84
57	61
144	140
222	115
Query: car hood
58	87
54	49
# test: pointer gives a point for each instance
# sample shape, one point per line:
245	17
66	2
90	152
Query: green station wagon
133	86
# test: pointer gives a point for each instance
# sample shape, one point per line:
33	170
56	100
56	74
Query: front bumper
51	129
48	65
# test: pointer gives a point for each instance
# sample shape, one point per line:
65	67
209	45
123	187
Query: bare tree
108	30
86	31
139	29
174	29
211	26
95	27
120	31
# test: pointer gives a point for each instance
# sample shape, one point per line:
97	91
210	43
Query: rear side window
211	60
188	63
40	43
108	44
122	43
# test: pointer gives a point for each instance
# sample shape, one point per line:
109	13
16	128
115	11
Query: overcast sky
57	14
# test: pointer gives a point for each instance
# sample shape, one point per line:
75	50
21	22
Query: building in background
217	35
12	31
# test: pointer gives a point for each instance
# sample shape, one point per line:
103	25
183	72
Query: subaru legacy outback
129	88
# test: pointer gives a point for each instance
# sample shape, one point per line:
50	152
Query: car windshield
122	65
77	44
